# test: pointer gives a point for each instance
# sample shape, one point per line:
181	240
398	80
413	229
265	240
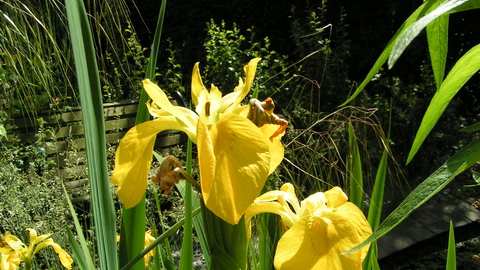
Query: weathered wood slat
75	115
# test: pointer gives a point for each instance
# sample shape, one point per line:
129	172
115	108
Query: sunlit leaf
458	163
465	68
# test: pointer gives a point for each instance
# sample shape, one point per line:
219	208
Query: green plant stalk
375	209
166	259
186	257
451	254
228	243
158	241
269	234
133	219
93	119
355	172
142	113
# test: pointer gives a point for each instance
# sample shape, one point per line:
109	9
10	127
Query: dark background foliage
360	31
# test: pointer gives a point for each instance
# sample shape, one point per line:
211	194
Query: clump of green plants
226	50
32	197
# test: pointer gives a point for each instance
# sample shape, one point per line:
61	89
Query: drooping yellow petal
234	163
316	242
65	259
134	157
197	84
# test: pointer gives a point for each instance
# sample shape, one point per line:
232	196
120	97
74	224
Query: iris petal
316	242
134	156
275	145
241	156
250	70
197	84
161	99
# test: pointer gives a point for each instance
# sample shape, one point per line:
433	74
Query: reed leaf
92	112
458	163
451	253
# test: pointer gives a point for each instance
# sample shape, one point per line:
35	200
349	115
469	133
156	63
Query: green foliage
32	197
227	51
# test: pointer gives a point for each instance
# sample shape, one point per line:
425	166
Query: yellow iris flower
14	250
235	156
321	227
148	240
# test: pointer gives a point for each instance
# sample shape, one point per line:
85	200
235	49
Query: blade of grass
472	128
269	234
142	113
462	71
355	173
93	120
451	254
458	163
82	254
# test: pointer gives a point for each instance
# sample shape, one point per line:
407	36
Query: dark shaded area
431	253
369	25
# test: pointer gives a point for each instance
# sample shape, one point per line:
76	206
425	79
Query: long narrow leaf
82	254
419	12
355	172
463	70
458	163
142	113
405	38
93	120
451	254
437	38
472	128
376	202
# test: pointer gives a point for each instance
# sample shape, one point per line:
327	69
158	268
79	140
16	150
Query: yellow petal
13	241
197	84
234	163
335	197
161	99
208	105
316	242
148	240
134	157
65	259
10	259
250	70
275	145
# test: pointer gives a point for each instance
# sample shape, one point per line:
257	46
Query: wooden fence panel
63	137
